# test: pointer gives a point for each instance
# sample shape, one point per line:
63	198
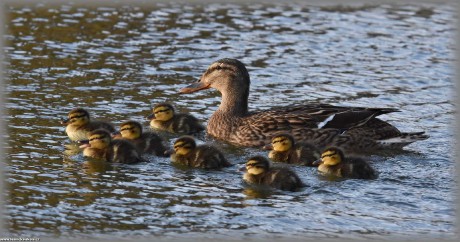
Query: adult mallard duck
334	163
99	145
79	125
187	152
145	142
260	172
234	123
163	117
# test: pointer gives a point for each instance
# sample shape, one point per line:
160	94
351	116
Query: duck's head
98	139
131	129
184	145
226	75
281	142
257	165
162	112
77	117
330	157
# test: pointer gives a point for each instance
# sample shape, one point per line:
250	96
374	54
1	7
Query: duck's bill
242	168
116	135
317	162
84	143
194	87
65	121
268	147
169	152
151	116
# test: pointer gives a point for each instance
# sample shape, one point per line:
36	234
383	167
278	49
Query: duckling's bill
84	144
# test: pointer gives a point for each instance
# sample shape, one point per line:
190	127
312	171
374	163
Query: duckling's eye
78	116
162	110
128	128
277	141
178	146
324	156
96	138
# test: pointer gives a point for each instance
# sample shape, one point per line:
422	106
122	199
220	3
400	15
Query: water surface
119	61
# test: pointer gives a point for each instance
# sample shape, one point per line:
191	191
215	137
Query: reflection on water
119	61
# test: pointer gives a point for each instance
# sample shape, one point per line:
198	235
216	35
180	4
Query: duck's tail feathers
402	140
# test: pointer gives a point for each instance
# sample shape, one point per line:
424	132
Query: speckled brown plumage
233	122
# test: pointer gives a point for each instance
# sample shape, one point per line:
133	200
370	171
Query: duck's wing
93	125
186	124
284	179
337	117
154	144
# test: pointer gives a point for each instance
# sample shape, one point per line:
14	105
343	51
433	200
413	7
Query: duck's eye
162	110
128	128
278	140
329	155
218	67
251	164
95	138
179	146
77	116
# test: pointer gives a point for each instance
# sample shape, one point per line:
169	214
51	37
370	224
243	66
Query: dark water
118	61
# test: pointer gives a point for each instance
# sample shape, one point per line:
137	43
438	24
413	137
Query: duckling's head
77	117
99	139
332	156
282	142
131	129
257	165
226	75
162	112
184	145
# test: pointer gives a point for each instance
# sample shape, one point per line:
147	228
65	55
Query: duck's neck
234	103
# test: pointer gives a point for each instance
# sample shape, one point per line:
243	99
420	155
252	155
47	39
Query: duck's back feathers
186	124
208	157
123	151
150	143
283	178
358	168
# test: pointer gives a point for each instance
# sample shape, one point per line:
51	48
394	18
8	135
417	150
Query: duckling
233	122
164	118
99	145
145	142
285	149
334	163
186	152
78	124
259	171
